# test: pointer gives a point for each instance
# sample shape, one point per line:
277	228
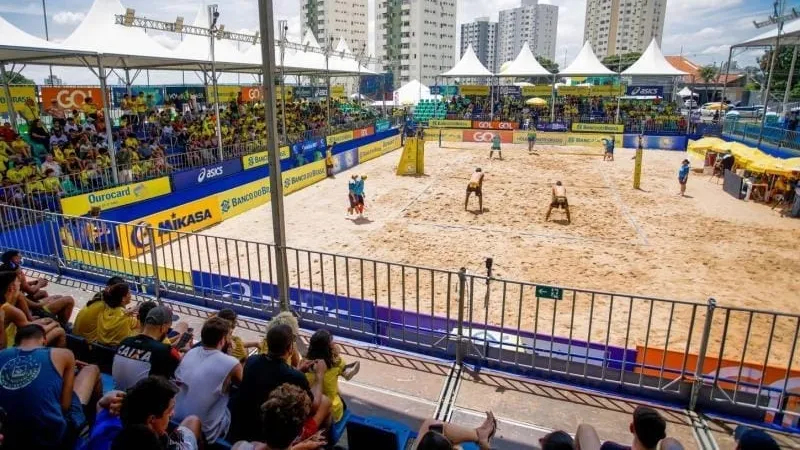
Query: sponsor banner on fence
363	132
337	91
552	126
376	149
597	128
506	137
72	98
117	264
345	160
646	91
447	135
588	140
320	91
443	123
575	91
262	158
302	91
537	91
473	89
655	142
190	178
117	92
117	196
226	93
240	199
308	146
134	238
185	93
382	125
19	94
607	91
251	93
495	125
339	137
303	176
445	91
509	91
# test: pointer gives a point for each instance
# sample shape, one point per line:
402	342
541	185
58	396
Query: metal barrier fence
780	137
702	355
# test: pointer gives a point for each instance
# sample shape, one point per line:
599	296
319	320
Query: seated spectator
286	318
146	354
85	324
39	134
205	375
7	133
648	428
38	300
237	347
557	440
41	392
50	163
435	435
282	419
15	318
149	404
263	374
115	323
58	138
322	348
753	439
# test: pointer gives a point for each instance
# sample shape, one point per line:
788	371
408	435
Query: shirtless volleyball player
559	200
475	185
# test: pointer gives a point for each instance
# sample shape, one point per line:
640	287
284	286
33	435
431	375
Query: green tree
707	73
551	66
16	78
621	63
782	66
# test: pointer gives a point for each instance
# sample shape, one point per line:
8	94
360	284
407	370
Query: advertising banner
185	92
339	137
71	98
251	94
117	92
607	91
506	137
382	125
19	94
363	132
245	197
116	196
345	160
598	128
587	140
537	91
447	135
376	149
226	93
552	126
645	91
444	91
474	89
509	91
575	91
655	142
302	91
440	123
321	91
193	216
495	125
303	176
195	177
309	146
337	91
262	158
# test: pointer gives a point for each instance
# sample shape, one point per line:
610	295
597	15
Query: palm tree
707	73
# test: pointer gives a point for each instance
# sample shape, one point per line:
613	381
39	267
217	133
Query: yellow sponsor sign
473	89
521	137
537	91
447	135
262	158
598	127
337	91
116	196
134	239
240	199
587	140
121	265
441	123
19	94
575	91
288	89
226	93
608	91
303	176
339	137
376	149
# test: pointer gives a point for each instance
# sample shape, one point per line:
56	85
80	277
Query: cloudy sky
700	29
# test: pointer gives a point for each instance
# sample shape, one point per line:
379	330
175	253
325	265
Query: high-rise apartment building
482	36
330	20
415	38
530	22
616	27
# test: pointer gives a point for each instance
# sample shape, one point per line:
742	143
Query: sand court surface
649	242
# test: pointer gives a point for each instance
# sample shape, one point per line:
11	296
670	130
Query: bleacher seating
430	109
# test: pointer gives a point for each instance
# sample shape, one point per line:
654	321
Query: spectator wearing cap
753	439
146	354
648	428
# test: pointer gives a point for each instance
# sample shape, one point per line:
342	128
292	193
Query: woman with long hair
321	347
15	319
115	322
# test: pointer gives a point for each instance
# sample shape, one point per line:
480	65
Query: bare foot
486	431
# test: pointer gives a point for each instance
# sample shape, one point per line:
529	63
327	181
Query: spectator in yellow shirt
89	108
21	148
322	347
115	323
86	321
34	185
51	183
14	175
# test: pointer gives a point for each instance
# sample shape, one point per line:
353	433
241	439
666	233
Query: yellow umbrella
715	106
536	101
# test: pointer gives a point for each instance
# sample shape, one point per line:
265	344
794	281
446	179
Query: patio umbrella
536	101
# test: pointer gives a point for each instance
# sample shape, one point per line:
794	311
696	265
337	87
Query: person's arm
66	360
316	388
111	402
2	329
236	374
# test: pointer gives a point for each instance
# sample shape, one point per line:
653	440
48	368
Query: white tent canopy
686	92
789	36
653	63
524	65
19	45
586	64
411	93
469	66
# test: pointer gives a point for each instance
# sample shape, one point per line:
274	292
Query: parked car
748	112
690	103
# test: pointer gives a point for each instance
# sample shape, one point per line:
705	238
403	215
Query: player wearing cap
146	354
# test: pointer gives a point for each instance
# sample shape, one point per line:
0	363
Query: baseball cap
160	315
753	439
649	426
557	440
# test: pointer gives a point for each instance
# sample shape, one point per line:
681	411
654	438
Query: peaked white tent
524	65
468	66
789	36
411	93
652	63
18	45
586	64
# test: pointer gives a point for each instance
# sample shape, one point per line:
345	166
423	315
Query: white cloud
68	17
15	8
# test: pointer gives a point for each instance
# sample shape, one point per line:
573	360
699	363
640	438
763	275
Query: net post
697	383
151	238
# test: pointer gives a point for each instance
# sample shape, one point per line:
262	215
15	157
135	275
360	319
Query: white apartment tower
530	22
616	27
415	38
334	19
482	36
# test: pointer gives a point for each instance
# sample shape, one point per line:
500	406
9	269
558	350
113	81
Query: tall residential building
482	36
532	23
330	20
623	26
415	38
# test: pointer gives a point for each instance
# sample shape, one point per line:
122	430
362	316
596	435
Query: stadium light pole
267	31
213	16
283	28
47	35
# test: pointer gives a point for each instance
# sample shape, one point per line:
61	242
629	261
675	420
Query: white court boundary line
624	208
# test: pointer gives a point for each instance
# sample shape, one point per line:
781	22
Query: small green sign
549	292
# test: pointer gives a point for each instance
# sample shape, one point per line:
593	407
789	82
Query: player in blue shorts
609	145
